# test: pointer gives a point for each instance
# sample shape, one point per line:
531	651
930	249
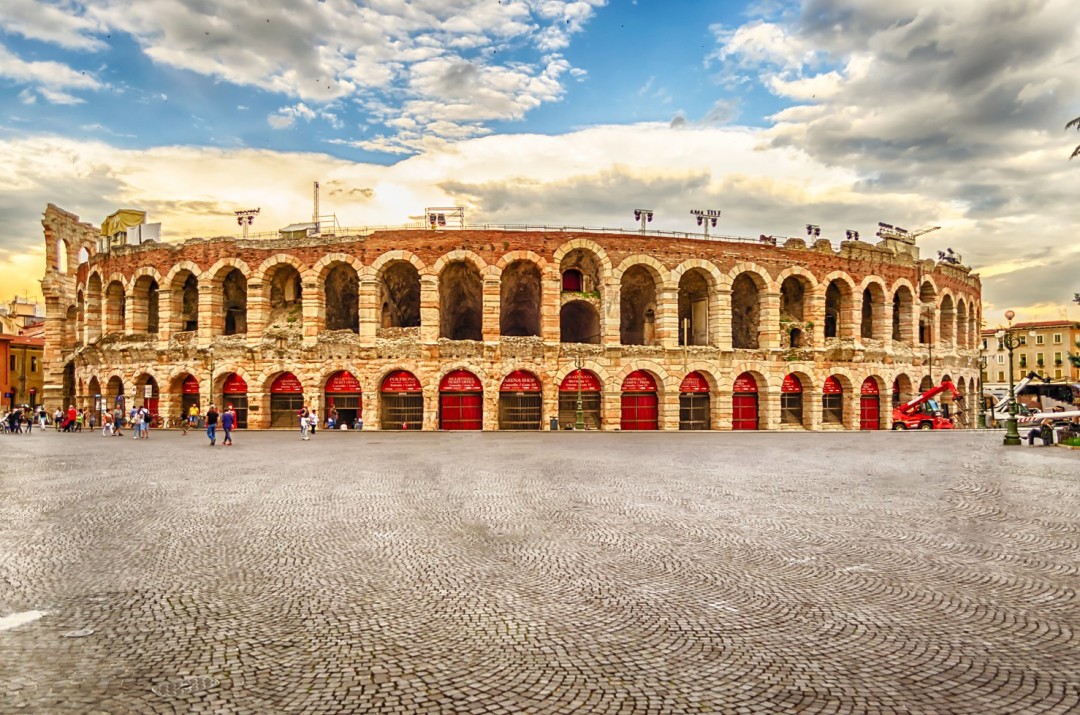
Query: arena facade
505	328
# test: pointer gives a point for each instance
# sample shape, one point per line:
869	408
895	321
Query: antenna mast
315	215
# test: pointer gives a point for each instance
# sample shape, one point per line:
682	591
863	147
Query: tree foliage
1070	125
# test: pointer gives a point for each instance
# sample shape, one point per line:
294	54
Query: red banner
869	386
191	385
639	381
460	381
832	386
694	382
580	379
520	381
286	382
342	381
791	384
744	383
401	381
234	385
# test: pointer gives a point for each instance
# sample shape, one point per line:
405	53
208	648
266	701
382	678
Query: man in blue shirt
228	421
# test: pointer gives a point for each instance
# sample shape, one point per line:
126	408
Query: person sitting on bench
1045	432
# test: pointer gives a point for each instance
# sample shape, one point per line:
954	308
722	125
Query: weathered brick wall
313	354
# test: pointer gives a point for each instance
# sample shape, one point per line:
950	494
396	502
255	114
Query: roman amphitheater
506	327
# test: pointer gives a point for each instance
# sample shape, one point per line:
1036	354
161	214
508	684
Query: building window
1057	374
1001	376
984	343
1023	340
1039	359
1057	358
1038	340
33	363
791	408
13	363
1023	360
1057	338
1001	359
832	408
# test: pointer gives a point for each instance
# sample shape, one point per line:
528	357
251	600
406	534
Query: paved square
539	573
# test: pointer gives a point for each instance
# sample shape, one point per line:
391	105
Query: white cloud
60	23
47	78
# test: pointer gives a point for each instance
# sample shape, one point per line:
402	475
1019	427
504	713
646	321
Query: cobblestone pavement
539	573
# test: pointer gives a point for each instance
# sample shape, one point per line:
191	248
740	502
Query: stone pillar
258	312
311	315
368	309
768	407
166	319
610	315
490	310
811	408
550	310
720	320
856	319
429	309
720	405
611	407
668	417
769	321
667	317
815	313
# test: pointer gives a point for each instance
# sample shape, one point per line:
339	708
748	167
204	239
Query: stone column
815	313
667	317
550	309
769	321
258	312
429	309
720	320
490	310
368	309
312	315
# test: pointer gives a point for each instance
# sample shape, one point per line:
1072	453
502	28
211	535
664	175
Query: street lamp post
981	401
579	417
1011	342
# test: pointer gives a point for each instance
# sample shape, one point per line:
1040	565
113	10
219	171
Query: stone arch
606	381
585	245
947	318
399	294
962	324
458	256
115	305
839	293
639	288
228	281
62	252
588	261
145	301
849	397
697	283
659	271
800	412
280	278
748	289
872	320
514	256
520	298
579	322
903	311
95	293
262	273
379	264
340	281
461	299
182	284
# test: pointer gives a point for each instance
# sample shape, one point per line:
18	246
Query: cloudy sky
779	113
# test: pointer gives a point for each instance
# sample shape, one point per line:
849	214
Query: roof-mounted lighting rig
644	216
705	217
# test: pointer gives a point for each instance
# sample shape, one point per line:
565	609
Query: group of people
1045	430
213	418
21	420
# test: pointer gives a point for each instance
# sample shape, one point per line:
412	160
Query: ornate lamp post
579	417
1011	342
982	406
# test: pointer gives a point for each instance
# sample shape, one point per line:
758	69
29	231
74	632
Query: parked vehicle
923	412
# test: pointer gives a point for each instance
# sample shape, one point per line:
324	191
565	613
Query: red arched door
286	401
520	403
869	405
234	394
343	397
401	401
189	395
586	385
461	401
694	403
640	408
744	403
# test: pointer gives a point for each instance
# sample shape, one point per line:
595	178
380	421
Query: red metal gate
640	407
461	402
869	405
744	403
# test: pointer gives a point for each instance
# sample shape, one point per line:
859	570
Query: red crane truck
922	412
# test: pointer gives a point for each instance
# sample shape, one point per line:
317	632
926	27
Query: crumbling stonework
149	319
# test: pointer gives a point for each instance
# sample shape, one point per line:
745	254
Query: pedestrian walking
106	424
313	420
43	417
118	422
228	422
303	422
211	424
193	417
29	417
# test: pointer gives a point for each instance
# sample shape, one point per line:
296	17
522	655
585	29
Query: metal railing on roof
343	231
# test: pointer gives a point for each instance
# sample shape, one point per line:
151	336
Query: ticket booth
694	403
401	402
190	395
461	401
343	395
640	406
286	401
744	403
520	402
235	392
869	405
587	385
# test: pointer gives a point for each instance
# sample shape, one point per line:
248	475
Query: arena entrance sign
694	403
343	394
640	407
234	392
461	401
520	402
744	403
869	405
589	384
190	394
286	401
401	402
